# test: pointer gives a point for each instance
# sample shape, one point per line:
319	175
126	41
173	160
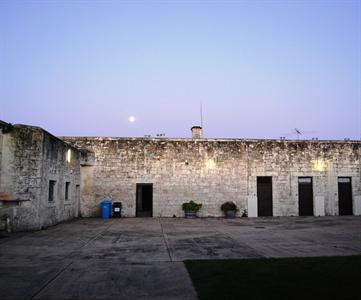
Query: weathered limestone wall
212	171
56	167
30	157
285	161
20	168
1	148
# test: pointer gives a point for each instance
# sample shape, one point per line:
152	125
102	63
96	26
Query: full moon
131	119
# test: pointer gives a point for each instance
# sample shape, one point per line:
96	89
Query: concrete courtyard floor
137	258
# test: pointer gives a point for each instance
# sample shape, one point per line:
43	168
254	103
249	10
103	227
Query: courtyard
142	258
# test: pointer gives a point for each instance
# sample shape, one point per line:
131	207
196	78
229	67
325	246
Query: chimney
196	132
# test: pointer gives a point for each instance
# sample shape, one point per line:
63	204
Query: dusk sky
260	68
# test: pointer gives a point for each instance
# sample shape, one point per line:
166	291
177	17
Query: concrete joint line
90	241
50	281
69	264
165	240
94	238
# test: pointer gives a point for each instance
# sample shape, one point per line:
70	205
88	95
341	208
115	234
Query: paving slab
24	280
141	258
106	279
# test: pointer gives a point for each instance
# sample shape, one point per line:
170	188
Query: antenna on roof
298	132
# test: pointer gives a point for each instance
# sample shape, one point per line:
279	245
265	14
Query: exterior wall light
68	156
210	164
319	165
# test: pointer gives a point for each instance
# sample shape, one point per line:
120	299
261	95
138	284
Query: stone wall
212	171
1	148
30	158
209	171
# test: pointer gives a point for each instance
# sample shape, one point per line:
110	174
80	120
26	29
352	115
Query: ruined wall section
30	156
213	171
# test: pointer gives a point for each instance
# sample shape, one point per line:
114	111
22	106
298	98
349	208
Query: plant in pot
229	208
191	209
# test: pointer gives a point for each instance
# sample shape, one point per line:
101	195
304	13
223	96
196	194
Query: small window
344	179
305	180
67	187
51	190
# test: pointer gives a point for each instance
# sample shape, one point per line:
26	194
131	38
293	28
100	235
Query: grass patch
283	278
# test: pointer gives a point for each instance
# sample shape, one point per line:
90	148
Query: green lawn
284	278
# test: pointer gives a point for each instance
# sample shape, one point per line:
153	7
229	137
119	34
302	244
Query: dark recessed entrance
144	200
264	196
305	196
344	196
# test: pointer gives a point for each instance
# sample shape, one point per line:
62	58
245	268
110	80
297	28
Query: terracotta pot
190	214
230	214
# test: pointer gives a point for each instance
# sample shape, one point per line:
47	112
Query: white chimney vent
196	132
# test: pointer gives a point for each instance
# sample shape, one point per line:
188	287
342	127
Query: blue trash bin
105	205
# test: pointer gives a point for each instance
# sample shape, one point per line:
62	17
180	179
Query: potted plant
191	208
229	209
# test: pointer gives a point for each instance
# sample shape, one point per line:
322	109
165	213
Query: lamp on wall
68	156
210	164
319	165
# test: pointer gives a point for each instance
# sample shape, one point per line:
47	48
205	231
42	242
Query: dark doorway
305	196
144	200
264	196
77	191
344	196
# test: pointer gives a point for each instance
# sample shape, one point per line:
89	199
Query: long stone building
154	176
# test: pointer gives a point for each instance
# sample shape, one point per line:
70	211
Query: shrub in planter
229	209
191	208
